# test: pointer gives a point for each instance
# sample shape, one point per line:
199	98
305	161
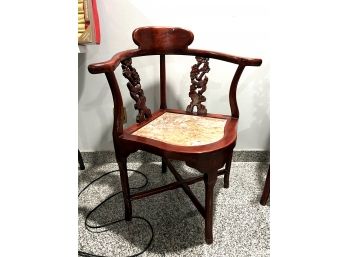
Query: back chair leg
227	173
209	182
81	164
122	163
164	166
265	193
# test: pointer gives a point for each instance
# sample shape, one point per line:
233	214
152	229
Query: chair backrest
163	41
162	38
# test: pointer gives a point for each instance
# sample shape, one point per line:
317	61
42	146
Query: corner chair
204	141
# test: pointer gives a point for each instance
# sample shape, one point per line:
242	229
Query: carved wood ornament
200	84
135	90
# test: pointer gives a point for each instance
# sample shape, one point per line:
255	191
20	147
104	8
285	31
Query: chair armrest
245	61
111	65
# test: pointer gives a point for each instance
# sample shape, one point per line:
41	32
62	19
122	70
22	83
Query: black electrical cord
88	227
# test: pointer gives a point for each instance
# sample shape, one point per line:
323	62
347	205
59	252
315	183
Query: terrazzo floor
240	226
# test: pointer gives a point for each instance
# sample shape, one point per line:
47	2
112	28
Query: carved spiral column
135	90
198	85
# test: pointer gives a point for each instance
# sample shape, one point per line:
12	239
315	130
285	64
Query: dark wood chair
204	141
266	189
81	163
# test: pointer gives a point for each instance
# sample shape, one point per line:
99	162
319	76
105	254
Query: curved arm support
112	64
233	92
118	103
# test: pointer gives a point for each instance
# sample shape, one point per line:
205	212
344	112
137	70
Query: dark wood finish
266	189
135	90
186	188
163	82
209	182
207	159
113	63
228	169
81	164
175	151
157	190
118	105
233	92
171	186
122	164
162	38
198	85
164	166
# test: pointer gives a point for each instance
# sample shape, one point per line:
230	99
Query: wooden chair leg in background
265	194
81	164
209	182
122	164
164	166
228	168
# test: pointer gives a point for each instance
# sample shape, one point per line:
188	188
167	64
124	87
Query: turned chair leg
227	173
265	194
164	166
209	182
122	163
81	164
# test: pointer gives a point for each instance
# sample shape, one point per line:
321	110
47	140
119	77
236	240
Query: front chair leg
122	164
209	182
164	166
227	170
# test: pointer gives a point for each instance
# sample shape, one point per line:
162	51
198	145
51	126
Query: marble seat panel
183	129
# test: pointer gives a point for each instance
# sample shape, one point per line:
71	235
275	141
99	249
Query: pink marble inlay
183	130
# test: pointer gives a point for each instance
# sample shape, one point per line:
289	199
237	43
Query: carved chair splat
183	135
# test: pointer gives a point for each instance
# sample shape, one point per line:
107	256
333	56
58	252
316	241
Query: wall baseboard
101	157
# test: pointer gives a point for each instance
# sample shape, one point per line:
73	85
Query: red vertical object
96	21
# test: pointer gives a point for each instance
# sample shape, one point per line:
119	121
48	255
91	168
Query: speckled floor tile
241	224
